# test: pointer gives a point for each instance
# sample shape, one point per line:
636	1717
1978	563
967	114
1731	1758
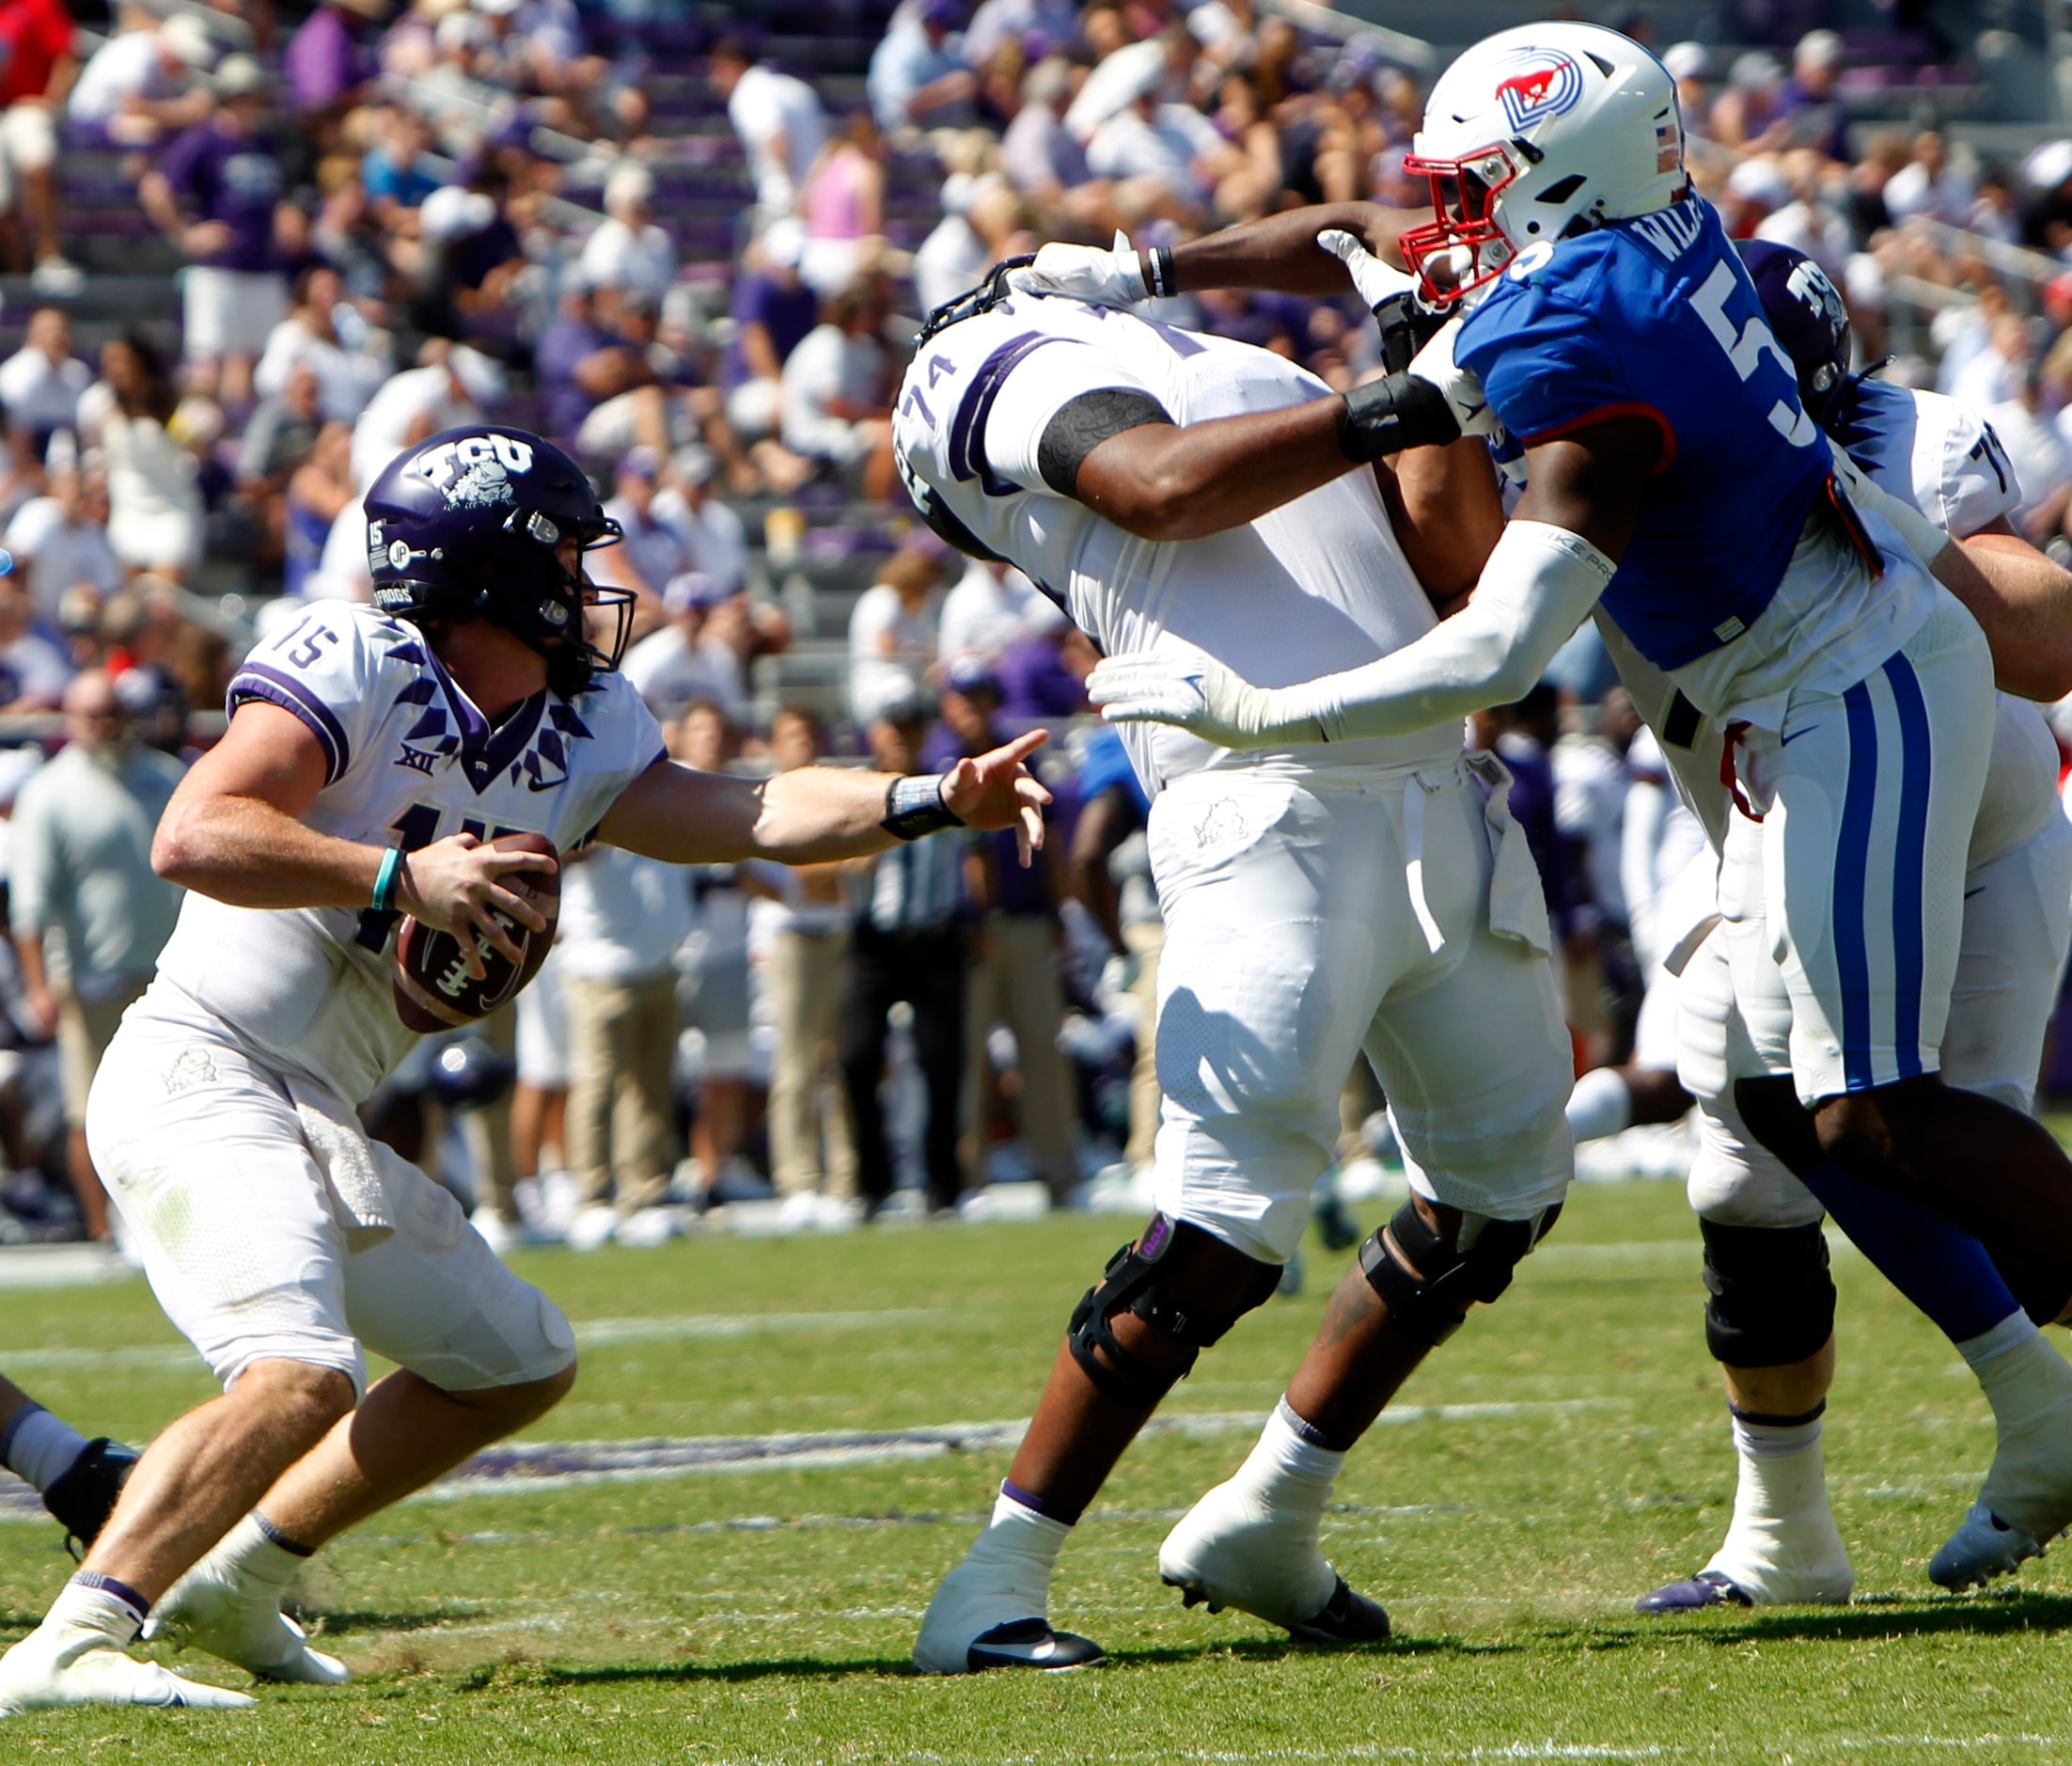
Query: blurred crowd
697	259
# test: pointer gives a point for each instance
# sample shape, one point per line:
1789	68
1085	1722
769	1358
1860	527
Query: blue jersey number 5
1745	347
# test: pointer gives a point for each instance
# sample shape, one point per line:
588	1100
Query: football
434	989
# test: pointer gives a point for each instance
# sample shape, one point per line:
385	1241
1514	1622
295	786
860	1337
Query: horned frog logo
481	487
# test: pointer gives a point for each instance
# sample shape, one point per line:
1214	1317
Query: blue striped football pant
1851	885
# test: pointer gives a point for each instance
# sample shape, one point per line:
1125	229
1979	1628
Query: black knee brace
1772	1298
1428	1285
1151	1278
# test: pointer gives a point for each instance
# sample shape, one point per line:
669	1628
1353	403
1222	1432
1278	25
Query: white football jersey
409	759
1944	459
1317	586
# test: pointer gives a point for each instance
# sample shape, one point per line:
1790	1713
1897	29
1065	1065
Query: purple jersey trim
254	680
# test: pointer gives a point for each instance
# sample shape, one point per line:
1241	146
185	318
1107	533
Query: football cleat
2026	1500
1231	1550
1984	1547
987	1613
238	1617
1708	1588
1031	1644
84	1498
60	1665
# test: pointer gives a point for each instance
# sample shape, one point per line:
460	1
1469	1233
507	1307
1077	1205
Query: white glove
1435	365
1199	695
1085	272
1376	280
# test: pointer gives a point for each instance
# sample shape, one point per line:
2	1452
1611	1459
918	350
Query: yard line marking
516	1467
593	1332
590	1333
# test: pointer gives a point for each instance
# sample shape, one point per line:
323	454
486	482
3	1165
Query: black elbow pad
1385	417
1082	425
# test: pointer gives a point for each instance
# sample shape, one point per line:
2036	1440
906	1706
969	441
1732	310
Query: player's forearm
817	814
1540	584
245	852
1447	515
2026	611
1164	482
1280	252
810	815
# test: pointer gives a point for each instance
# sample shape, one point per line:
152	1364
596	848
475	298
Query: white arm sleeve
1538	586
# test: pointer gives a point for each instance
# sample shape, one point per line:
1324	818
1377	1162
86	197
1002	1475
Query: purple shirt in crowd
562	345
787	313
325	60
1035	684
235	179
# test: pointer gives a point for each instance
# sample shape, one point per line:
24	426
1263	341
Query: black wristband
1385	417
1407	326
914	807
1158	272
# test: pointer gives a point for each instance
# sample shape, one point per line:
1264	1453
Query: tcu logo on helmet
1810	287
475	472
1547	84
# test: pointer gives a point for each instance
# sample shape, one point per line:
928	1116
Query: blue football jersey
1656	317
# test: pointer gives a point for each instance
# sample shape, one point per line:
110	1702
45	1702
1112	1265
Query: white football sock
249	1548
1783	1544
1288	1472
85	1607
1022	1546
1783	1469
41	1448
1600	1104
2021	1374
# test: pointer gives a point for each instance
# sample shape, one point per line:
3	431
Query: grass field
1564	1453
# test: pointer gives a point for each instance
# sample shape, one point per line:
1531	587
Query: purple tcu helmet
1805	311
470	523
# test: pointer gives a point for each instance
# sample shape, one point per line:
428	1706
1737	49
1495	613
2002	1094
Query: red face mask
1464	191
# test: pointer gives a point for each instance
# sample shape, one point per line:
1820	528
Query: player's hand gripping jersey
409	761
1656	317
1318	584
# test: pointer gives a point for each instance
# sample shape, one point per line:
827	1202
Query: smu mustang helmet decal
1547	84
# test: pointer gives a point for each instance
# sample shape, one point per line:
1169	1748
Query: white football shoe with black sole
978	1620
1230	1549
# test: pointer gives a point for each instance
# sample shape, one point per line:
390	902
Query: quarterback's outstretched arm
814	814
1556	557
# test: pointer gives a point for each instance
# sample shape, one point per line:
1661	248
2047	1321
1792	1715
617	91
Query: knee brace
1157	1278
1428	1285
1772	1298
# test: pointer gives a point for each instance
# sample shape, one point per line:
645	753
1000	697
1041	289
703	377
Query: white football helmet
1540	133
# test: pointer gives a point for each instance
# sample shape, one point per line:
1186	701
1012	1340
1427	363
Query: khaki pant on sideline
1145	941
84	1033
807	1096
488	1130
1014	981
621	1120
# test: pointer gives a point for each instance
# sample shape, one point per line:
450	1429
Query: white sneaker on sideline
503	1236
645	1228
593	1227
